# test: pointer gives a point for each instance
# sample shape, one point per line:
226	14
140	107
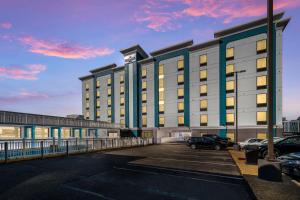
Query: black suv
281	147
206	143
218	138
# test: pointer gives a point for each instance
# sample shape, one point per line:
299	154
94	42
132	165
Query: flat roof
248	25
204	45
147	60
86	77
172	48
135	48
103	68
283	23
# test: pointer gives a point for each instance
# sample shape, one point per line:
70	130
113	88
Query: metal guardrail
7	117
27	148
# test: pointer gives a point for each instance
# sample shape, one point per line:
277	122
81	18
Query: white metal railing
26	148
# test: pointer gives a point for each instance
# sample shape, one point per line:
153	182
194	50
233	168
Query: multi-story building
190	88
291	127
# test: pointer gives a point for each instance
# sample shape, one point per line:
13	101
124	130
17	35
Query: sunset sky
45	45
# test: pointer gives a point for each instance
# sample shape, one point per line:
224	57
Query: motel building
189	89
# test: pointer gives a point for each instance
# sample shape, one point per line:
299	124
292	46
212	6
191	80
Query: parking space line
296	182
178	176
179	160
185	171
88	192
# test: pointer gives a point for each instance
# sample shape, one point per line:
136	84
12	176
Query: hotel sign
130	58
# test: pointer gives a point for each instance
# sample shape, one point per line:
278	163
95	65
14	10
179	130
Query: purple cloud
28	72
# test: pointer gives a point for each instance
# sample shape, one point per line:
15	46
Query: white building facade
189	88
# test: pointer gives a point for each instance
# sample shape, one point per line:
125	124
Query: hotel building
190	88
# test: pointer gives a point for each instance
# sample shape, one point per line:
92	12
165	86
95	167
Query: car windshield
265	141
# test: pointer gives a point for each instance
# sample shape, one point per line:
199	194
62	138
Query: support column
33	136
80	133
59	135
51	132
96	133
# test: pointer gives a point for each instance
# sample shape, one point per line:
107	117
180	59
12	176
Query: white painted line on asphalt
177	176
192	161
296	182
88	192
185	171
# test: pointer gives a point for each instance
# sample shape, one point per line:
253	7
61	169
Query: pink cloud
162	15
28	72
63	49
6	25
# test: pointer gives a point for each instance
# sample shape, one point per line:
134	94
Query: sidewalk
265	190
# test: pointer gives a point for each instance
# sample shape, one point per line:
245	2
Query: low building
189	88
291	127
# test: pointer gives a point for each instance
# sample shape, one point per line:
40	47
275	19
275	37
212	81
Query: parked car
219	138
206	143
250	141
255	145
281	147
290	164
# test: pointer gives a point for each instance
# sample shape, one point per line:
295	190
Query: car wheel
193	146
276	153
217	147
265	153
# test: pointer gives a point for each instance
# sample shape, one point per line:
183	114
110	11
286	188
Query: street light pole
270	81
236	103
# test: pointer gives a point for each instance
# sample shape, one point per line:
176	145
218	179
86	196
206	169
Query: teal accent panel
112	97
95	97
80	133
25	133
135	92
140	95
222	69
59	133
51	132
126	96
135	133
96	133
185	54
32	134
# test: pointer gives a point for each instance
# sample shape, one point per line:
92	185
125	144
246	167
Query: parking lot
169	171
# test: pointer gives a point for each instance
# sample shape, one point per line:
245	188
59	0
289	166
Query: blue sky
46	45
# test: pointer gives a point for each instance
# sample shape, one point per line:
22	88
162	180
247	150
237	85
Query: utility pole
270	81
236	104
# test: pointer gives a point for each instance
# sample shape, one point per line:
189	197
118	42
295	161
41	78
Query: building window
109	102
203	90
261	64
109	81
109	112
87	114
161	96
261	118
87	96
203	75
87	105
122	122
203	120
98	84
261	100
230	53
261	82
180	107
261	46
230	119
261	135
161	83
144	97
98	114
122	112
229	70
180	65
144	85
229	86
161	107
144	73
180	93
180	79
122	89
87	86
98	94
121	78
203	60
161	71
203	105
161	121
144	110
108	91
98	104
230	103
122	101
144	121
180	120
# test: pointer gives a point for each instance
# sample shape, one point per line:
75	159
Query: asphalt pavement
170	171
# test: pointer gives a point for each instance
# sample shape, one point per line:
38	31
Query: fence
27	148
